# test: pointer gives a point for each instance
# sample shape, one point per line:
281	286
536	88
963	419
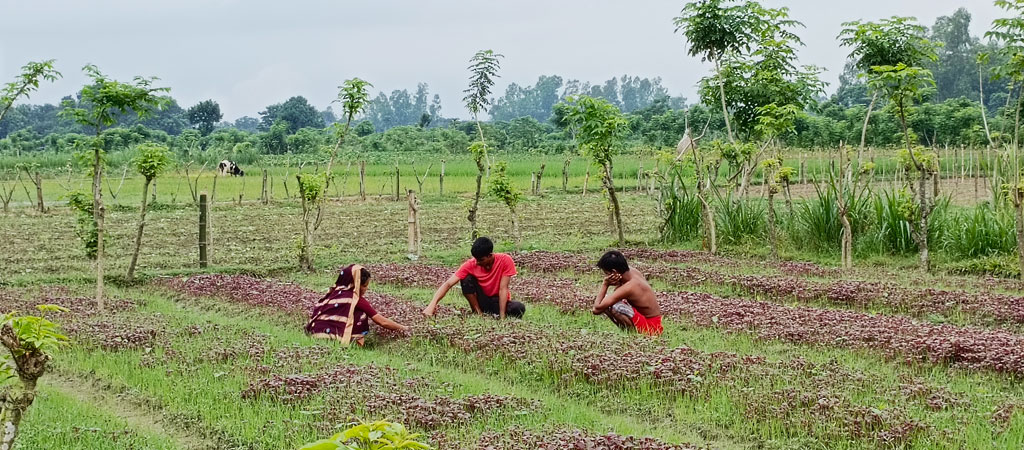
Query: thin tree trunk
440	180
362	180
476	198
864	129
39	192
138	235
565	176
413	221
981	99
305	257
1018	207
772	234
515	228
609	184
540	176
264	197
204	217
98	214
586	180
725	109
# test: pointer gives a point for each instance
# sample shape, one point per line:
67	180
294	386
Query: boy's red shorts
650	326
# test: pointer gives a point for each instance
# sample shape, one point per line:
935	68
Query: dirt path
135	416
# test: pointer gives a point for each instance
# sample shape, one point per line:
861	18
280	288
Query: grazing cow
230	168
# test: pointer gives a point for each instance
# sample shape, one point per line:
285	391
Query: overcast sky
249	54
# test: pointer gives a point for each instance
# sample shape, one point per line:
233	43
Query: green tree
1009	32
27	82
714	28
483	69
204	116
296	111
151	161
353	97
888	42
903	86
101	101
600	129
502	189
30	341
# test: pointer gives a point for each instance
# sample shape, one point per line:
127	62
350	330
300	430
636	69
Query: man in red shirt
484	279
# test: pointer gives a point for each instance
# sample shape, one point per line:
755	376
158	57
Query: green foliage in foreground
379	435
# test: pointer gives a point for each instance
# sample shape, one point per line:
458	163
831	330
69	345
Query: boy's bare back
640	295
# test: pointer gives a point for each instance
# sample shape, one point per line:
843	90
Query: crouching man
632	304
484	279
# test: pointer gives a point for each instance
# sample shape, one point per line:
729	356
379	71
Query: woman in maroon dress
344	314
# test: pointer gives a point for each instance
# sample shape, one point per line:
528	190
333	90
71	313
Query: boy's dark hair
482	247
364	276
613	260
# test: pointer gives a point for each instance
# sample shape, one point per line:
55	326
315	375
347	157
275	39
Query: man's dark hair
482	247
613	260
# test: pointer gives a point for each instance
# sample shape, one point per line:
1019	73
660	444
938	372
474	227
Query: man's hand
613	279
429	310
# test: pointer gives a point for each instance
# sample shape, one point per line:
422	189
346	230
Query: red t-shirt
490	282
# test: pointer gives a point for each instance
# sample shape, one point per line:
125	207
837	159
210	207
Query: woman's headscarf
341	298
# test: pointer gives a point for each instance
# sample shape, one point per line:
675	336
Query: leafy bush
980	231
81	203
380	435
738	219
996	266
892	233
681	214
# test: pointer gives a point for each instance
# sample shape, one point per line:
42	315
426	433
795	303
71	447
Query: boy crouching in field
632	305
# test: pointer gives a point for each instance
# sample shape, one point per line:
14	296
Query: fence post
263	191
203	220
39	192
362	180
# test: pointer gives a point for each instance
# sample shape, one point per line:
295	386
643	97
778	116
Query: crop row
983	307
897	337
372	389
814	397
551	262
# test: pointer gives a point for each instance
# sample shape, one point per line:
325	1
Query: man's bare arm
439	294
606	301
503	295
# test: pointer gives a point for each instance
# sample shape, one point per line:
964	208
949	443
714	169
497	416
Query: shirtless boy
632	304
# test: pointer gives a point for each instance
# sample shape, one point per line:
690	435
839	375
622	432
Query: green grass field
165	369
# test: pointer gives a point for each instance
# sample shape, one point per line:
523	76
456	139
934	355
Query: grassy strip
57	420
200	391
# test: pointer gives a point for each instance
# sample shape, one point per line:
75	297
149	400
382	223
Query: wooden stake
586	180
203	236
